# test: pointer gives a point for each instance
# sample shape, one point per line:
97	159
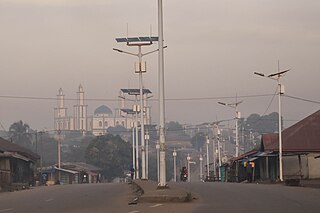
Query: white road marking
49	200
134	212
6	210
157	205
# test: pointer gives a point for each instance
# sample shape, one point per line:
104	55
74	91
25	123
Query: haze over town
213	49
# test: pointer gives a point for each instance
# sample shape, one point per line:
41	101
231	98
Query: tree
19	134
262	124
111	154
198	140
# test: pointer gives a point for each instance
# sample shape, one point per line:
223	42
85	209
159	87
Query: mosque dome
103	110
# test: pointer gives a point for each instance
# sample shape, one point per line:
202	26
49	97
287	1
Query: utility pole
208	162
235	106
174	165
147	137
140	68
201	165
162	139
276	77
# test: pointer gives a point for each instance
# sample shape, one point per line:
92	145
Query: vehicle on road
184	174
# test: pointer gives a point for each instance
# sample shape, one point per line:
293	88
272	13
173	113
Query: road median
149	192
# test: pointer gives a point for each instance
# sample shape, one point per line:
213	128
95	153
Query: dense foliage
19	134
198	140
111	154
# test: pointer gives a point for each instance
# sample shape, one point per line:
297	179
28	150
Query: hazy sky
214	46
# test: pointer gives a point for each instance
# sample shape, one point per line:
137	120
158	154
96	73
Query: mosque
103	117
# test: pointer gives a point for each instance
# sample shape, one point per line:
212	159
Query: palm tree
19	134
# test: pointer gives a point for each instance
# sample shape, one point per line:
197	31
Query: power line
112	99
302	99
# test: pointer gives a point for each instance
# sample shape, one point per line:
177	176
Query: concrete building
103	117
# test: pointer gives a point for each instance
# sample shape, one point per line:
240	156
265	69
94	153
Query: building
71	173
103	117
16	165
300	149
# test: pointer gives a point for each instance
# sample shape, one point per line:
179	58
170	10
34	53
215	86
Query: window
100	123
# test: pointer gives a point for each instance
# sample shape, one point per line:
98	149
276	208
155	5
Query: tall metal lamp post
201	164
174	154
147	137
277	76
162	181
208	166
235	106
188	159
140	68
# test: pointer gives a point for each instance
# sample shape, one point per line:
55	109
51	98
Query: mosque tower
80	112
60	113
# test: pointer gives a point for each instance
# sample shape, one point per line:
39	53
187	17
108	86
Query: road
67	198
81	198
114	198
253	198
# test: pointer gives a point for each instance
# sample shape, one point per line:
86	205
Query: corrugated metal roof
7	146
303	136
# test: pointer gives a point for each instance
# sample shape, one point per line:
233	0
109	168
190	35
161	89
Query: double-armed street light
276	77
235	106
139	68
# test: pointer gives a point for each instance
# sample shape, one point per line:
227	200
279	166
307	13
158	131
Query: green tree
19	134
262	124
198	140
112	154
174	126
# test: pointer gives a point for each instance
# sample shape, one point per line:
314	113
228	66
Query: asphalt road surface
253	198
210	198
82	198
66	198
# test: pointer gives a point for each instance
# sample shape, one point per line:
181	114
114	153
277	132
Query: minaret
60	113
80	111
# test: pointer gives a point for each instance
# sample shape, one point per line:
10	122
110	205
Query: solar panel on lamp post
276	77
140	68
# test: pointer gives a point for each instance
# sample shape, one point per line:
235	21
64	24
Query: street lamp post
214	154
140	68
277	76
189	162
208	166
219	153
147	137
188	159
158	160
136	110
235	106
174	165
133	150
201	173
162	181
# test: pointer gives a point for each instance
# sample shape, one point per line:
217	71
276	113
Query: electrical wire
302	99
153	99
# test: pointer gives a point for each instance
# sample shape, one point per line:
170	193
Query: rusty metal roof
303	136
7	146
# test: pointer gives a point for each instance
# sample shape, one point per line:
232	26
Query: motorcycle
184	174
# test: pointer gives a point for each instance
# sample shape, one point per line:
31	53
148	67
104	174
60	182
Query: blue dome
103	110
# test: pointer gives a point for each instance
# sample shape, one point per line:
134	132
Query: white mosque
102	118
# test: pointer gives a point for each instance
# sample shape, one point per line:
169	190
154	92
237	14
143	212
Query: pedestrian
132	172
